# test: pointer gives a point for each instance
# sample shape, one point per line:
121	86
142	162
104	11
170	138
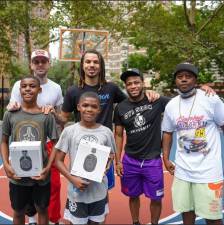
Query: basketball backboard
74	42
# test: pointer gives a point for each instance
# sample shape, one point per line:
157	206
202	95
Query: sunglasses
37	62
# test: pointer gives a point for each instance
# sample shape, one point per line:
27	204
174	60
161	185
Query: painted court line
5	216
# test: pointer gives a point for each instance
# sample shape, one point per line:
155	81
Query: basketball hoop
74	42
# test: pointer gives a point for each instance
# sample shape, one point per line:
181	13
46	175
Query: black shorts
22	196
31	210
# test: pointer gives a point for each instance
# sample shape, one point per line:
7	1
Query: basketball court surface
119	210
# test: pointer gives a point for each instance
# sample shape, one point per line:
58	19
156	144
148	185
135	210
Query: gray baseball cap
186	67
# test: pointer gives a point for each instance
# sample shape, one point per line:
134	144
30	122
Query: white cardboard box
90	161
26	158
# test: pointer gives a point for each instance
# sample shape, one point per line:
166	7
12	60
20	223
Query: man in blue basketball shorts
141	167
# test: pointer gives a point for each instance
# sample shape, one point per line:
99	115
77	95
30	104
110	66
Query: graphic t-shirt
196	120
69	142
51	94
109	94
24	126
142	122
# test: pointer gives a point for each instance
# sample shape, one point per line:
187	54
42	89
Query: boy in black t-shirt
29	124
141	169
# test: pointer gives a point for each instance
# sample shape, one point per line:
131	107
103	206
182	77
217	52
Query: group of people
37	109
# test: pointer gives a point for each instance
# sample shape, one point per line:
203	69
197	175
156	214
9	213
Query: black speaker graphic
25	161
90	161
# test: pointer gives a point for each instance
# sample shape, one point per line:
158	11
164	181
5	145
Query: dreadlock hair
102	79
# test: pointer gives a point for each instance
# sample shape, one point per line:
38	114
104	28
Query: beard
135	97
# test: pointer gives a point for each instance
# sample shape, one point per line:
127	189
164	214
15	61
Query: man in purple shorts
141	167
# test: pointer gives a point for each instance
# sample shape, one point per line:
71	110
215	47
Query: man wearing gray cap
198	174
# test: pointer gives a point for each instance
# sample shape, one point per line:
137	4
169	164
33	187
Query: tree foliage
170	34
173	34
60	73
137	60
97	15
17	19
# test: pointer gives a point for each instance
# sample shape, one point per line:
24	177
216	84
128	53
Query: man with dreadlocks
92	78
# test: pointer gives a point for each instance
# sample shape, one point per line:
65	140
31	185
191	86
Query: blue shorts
110	177
142	176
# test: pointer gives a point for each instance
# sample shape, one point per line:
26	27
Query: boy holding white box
28	124
87	200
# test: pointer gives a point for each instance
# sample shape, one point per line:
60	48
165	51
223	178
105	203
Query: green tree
115	77
137	60
17	71
177	33
60	73
88	14
17	19
98	15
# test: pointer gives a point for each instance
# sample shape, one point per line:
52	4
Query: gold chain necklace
190	109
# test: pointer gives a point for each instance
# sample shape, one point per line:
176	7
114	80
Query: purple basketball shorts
142	176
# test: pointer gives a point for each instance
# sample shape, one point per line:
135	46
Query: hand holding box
26	158
90	161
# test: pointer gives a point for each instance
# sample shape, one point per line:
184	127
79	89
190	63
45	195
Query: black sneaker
32	223
136	223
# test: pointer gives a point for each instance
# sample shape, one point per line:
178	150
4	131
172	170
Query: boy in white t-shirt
88	204
198	174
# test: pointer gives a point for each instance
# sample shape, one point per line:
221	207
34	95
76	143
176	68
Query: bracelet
119	162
